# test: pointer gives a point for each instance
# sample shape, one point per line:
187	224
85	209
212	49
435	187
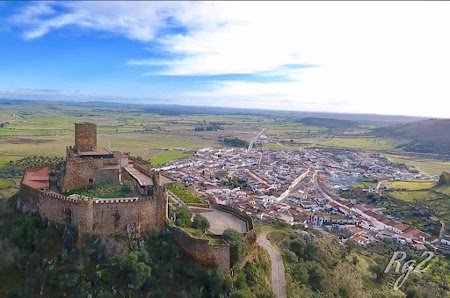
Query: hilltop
427	136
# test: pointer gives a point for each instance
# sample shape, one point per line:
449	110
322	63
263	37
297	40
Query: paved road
278	274
297	180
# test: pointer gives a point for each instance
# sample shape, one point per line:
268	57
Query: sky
351	57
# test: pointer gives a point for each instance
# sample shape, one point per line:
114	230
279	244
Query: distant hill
166	109
329	123
427	136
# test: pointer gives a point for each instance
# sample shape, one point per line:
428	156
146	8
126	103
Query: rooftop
96	152
36	178
140	177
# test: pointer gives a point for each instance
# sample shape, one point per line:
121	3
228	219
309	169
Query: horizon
209	108
264	56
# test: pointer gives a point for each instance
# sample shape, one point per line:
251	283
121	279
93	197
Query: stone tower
85	137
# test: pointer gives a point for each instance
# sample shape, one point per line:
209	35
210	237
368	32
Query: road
250	145
278	273
379	185
294	183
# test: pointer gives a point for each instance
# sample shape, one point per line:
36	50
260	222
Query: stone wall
141	165
245	217
80	173
201	251
85	136
128	217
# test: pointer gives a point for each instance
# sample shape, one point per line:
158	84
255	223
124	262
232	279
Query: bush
237	245
200	222
183	217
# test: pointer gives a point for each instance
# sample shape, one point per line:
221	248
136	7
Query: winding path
278	274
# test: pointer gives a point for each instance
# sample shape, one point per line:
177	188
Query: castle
43	190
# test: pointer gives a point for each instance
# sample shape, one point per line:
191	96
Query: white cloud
379	57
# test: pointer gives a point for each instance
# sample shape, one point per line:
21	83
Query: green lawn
411	184
181	191
163	157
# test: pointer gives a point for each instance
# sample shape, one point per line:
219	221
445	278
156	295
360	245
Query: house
446	240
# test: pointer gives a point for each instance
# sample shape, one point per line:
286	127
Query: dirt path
278	274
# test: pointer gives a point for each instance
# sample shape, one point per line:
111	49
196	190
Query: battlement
87	166
118	200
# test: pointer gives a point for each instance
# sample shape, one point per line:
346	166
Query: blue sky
388	58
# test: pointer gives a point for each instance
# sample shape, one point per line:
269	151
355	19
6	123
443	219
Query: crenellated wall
125	216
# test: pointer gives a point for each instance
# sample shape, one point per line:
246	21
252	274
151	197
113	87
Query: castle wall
201	251
79	172
28	199
128	217
85	136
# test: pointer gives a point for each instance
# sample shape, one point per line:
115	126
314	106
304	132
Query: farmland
375	144
162	157
415	196
411	184
429	166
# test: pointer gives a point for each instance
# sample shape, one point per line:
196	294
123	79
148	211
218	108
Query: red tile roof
36	178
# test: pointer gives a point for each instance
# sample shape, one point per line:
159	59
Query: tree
444	179
183	217
237	245
378	271
200	222
135	271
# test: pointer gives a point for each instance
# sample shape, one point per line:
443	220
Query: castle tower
85	137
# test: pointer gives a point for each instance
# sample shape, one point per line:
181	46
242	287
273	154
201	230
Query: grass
195	233
184	194
363	184
5	159
414	196
5	183
163	157
429	166
104	190
443	189
411	184
373	144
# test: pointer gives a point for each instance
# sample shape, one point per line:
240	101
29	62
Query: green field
443	189
6	159
163	157
429	166
414	196
373	144
363	184
5	183
184	194
411	184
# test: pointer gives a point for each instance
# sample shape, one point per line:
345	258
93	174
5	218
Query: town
301	187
